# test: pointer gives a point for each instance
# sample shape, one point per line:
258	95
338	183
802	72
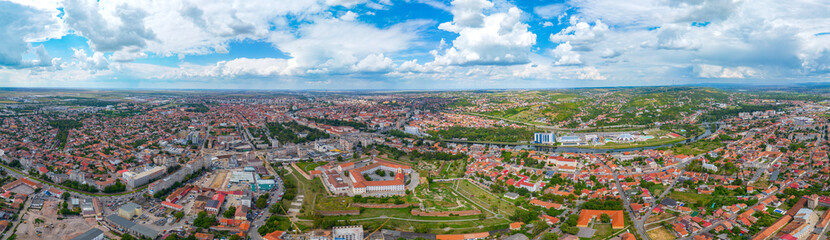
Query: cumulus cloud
499	38
673	37
582	35
714	71
590	73
128	54
107	33
92	63
20	25
374	63
565	55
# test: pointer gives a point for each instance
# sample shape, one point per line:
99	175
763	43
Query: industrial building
126	226
92	234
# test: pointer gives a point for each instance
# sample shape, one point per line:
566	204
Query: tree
550	236
262	201
230	212
65	195
203	220
572	219
605	218
178	215
127	236
173	236
234	237
570	230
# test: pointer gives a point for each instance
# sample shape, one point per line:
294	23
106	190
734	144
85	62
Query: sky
410	44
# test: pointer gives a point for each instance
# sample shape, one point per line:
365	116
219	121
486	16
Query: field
661	234
327	203
658	217
218	180
696	148
440	197
309	166
688	197
603	231
310	189
485	199
371	218
454	168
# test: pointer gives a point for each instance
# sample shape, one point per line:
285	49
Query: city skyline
408	45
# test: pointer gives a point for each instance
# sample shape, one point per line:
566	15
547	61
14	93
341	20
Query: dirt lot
661	234
50	227
219	180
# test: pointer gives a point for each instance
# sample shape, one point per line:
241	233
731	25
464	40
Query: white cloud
374	63
92	63
499	38
673	37
590	73
20	25
119	28
349	16
550	11
581	35
565	55
714	71
128	54
336	46
610	53
467	14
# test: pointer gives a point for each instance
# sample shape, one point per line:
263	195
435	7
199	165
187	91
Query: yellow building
129	210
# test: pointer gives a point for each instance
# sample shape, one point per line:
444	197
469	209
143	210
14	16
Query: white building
347	232
136	180
544	138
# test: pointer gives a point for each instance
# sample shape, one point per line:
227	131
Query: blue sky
410	44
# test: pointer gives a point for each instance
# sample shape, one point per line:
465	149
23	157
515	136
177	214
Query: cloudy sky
410	44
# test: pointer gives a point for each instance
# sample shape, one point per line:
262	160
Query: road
642	221
637	225
15	173
274	197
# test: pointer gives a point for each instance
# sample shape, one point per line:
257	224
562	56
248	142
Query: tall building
544	138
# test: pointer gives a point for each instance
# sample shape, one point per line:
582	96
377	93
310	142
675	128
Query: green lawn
696	148
309	166
603	230
440	197
689	197
310	189
468	224
454	168
485	198
328	203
